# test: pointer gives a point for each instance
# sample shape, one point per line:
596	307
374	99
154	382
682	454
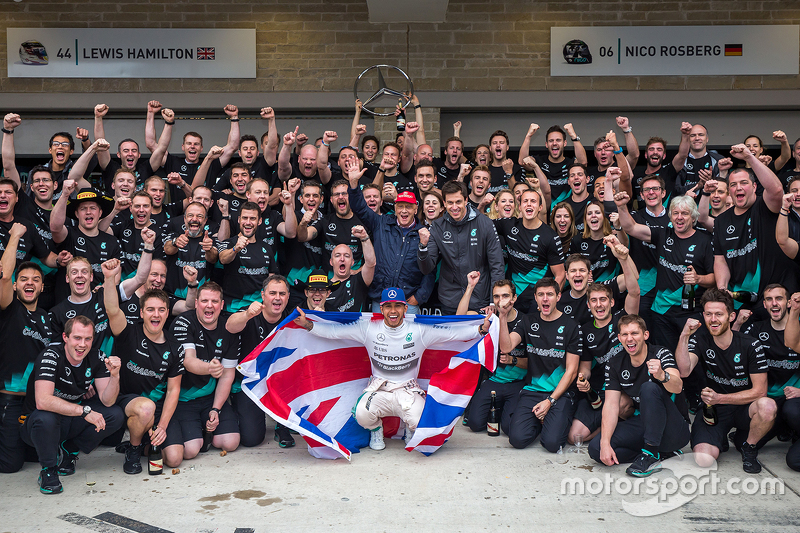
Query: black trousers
659	424
12	449
252	420
525	427
507	395
790	412
44	430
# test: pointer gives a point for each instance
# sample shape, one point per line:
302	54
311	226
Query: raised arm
463	304
577	145
181	306
368	270
288	228
704	205
622	163
786	150
787	244
237	321
683	149
355	135
202	171
233	135
791	335
409	147
10	123
773	190
524	150
629	271
100	110
630	141
8	263
153	107
271	150
686	360
79	168
58	216
420	136
159	155
285	156
116	318
629	225
508	340
322	155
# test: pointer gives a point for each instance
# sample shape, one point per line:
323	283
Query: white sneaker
376	439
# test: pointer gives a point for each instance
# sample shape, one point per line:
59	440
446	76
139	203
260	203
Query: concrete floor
473	483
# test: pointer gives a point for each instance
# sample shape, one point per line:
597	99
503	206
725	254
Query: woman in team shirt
563	221
504	205
482	155
590	243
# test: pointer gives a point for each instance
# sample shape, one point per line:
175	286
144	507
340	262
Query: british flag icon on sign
206	53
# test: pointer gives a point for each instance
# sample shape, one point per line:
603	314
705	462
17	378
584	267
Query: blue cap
393	294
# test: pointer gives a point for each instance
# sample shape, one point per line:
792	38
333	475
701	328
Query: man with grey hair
684	259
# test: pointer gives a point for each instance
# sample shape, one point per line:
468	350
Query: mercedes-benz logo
730	229
71	313
535	326
392	294
514	230
81	241
332	227
127	233
383	90
710	353
584	246
670	242
132	308
568	310
626	374
235	203
590	337
381	337
764	336
446	235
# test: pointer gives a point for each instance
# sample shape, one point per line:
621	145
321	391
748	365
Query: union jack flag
206	53
311	384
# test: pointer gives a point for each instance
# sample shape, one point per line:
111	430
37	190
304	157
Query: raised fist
100	110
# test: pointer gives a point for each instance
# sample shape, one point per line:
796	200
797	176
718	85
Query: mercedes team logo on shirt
626	374
670	242
67	371
730	229
132	308
81	241
514	230
392	294
584	246
71	313
127	233
381	337
183	168
710	353
446	235
534	327
144	345
568	309
332	227
764	336
235	203
590	337
244	250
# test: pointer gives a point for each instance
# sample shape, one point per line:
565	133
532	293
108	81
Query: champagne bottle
709	414
493	424
745	297
687	299
401	118
155	463
594	398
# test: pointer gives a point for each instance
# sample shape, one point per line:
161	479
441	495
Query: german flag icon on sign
733	49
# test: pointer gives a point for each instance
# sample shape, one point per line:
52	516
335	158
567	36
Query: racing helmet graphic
576	52
32	53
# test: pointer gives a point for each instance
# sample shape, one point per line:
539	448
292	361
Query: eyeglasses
60	144
334	195
316	291
42	180
651	189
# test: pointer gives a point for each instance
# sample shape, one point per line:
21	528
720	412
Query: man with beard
247	261
335	228
393	388
26	327
449	168
608	154
654	153
479	195
187	163
396	238
425	178
61	421
465	241
503	170
128	231
254	324
82	300
127	152
204	416
684	258
161	213
556	167
746	253
736	375
552	342
152	367
715	200
649	376
348	289
189	244
273	223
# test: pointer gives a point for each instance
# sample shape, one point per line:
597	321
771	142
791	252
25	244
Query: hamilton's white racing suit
395	355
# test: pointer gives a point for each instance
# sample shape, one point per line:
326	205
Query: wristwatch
666	377
552	400
86	411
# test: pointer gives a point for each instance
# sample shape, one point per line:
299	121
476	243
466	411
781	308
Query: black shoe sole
284	443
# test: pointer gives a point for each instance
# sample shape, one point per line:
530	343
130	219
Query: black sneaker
133	460
67	457
49	482
283	437
123	446
644	465
670	455
750	463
